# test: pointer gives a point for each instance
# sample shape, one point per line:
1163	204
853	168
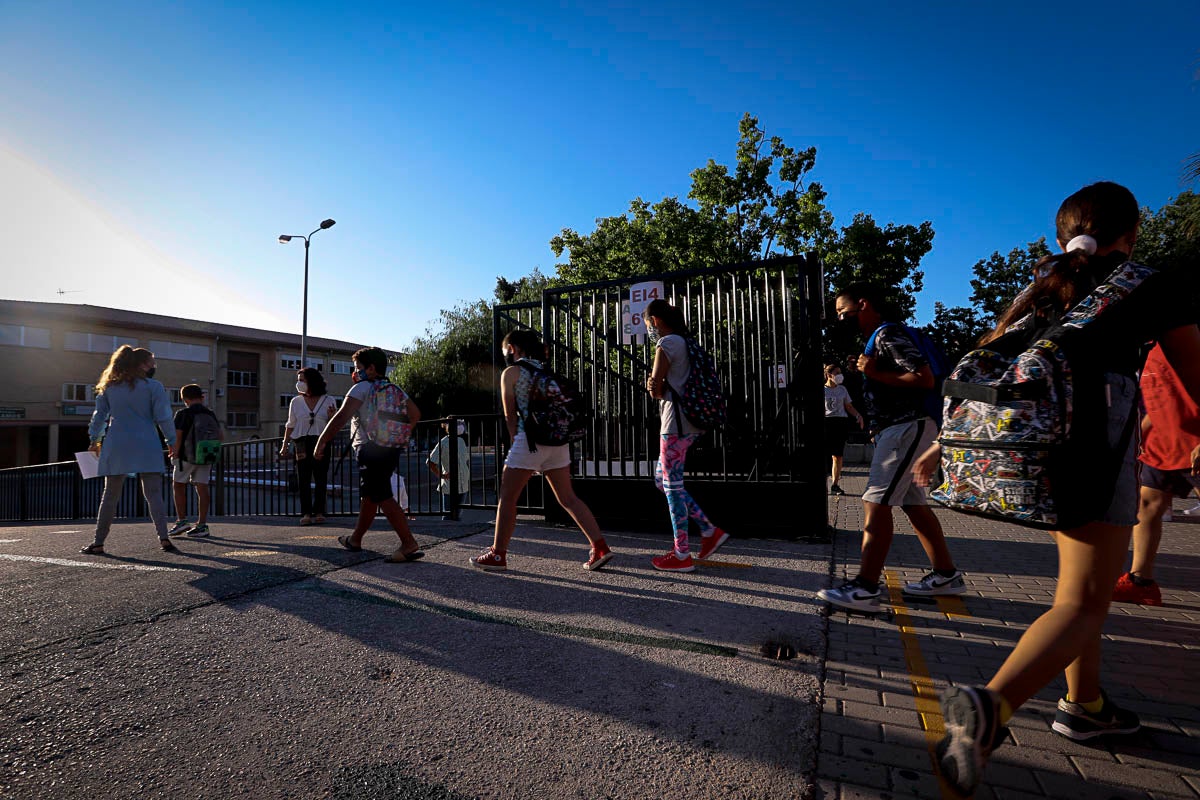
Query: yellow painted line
725	564
924	693
249	553
953	606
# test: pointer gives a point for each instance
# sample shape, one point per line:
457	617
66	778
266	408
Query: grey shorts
896	448
194	473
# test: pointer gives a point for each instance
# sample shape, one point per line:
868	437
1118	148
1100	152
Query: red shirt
1175	419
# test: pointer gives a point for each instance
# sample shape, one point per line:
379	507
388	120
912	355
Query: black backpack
202	445
557	413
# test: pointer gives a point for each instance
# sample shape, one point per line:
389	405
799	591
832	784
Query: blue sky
148	147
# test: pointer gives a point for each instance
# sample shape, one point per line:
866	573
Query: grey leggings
151	488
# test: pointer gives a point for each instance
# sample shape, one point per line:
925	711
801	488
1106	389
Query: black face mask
847	326
509	358
150	372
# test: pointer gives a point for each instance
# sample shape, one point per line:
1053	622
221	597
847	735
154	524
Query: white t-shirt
675	347
299	416
361	392
836	398
440	456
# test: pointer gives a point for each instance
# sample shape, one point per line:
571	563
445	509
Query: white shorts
896	448
546	458
196	473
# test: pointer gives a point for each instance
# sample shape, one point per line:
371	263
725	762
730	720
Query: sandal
400	557
168	546
319	519
306	520
93	549
345	542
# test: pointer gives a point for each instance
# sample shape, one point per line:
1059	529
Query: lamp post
284	239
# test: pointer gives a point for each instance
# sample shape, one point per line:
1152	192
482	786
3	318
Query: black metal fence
253	479
761	322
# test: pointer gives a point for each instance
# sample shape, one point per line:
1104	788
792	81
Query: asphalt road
269	662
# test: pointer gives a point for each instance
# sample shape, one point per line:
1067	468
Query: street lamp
284	239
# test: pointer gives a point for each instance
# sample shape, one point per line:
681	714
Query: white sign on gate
633	304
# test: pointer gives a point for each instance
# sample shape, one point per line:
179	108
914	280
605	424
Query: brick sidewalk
880	717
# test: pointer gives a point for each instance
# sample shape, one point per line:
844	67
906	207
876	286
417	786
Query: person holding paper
131	410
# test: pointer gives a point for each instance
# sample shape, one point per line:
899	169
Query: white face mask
301	387
839	379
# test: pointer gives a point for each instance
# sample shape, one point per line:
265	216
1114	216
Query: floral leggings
668	476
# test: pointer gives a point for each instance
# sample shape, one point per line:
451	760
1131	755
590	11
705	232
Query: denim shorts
375	467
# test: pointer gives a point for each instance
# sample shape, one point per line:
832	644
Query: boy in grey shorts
185	471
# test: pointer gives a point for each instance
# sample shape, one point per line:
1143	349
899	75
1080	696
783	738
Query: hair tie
1082	242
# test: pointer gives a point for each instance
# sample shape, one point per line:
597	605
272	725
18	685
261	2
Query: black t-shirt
887	405
185	417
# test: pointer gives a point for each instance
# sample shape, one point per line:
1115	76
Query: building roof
28	312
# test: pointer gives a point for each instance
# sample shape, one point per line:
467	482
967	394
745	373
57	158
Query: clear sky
151	153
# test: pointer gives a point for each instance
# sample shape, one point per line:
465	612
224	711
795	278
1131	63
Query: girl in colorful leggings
666	329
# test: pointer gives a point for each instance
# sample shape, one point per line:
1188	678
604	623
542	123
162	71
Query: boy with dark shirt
897	380
199	474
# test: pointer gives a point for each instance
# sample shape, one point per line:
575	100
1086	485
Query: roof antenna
70	291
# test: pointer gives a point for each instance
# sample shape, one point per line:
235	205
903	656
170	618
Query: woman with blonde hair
130	405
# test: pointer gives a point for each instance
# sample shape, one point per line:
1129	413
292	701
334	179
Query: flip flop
345	542
401	558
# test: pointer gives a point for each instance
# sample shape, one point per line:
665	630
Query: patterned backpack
557	413
1016	445
702	400
385	421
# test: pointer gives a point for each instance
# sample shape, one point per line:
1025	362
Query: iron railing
252	479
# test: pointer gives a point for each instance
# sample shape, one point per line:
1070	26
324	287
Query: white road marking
63	562
10	541
66	531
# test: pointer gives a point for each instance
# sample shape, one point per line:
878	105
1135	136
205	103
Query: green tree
1171	236
889	257
449	369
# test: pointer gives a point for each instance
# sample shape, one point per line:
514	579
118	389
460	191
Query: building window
291	363
285	400
340	367
173	395
316	363
241	377
241	419
78	392
95	342
25	336
179	351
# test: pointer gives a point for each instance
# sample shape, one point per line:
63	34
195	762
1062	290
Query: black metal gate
764	473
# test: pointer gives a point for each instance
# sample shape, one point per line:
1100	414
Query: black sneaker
973	731
836	490
1076	722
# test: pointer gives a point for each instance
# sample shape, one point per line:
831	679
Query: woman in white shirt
307	415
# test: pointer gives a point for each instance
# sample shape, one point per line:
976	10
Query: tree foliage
449	369
1171	236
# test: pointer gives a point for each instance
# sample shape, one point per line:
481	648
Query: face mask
301	387
652	335
509	358
150	372
839	379
358	375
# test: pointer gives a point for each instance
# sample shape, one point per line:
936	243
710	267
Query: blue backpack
941	367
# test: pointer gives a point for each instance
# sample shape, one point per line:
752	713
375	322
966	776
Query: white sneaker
934	585
1194	511
853	596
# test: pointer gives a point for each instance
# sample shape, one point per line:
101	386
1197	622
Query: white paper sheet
89	464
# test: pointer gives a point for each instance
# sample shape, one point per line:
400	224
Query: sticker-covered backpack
1024	438
384	419
702	399
557	413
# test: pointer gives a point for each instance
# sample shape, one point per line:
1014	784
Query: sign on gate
633	304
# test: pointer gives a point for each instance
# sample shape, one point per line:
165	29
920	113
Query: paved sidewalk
880	718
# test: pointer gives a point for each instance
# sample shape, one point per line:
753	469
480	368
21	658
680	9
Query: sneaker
491	561
852	595
598	557
673	563
1076	722
973	731
181	526
710	543
934	585
1126	591
1194	511
199	532
836	490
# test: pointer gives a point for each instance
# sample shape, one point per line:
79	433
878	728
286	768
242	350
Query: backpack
939	365
1016	444
202	445
385	418
702	400
556	412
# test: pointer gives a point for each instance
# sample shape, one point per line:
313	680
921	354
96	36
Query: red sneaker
672	563
710	543
490	560
598	557
1126	591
